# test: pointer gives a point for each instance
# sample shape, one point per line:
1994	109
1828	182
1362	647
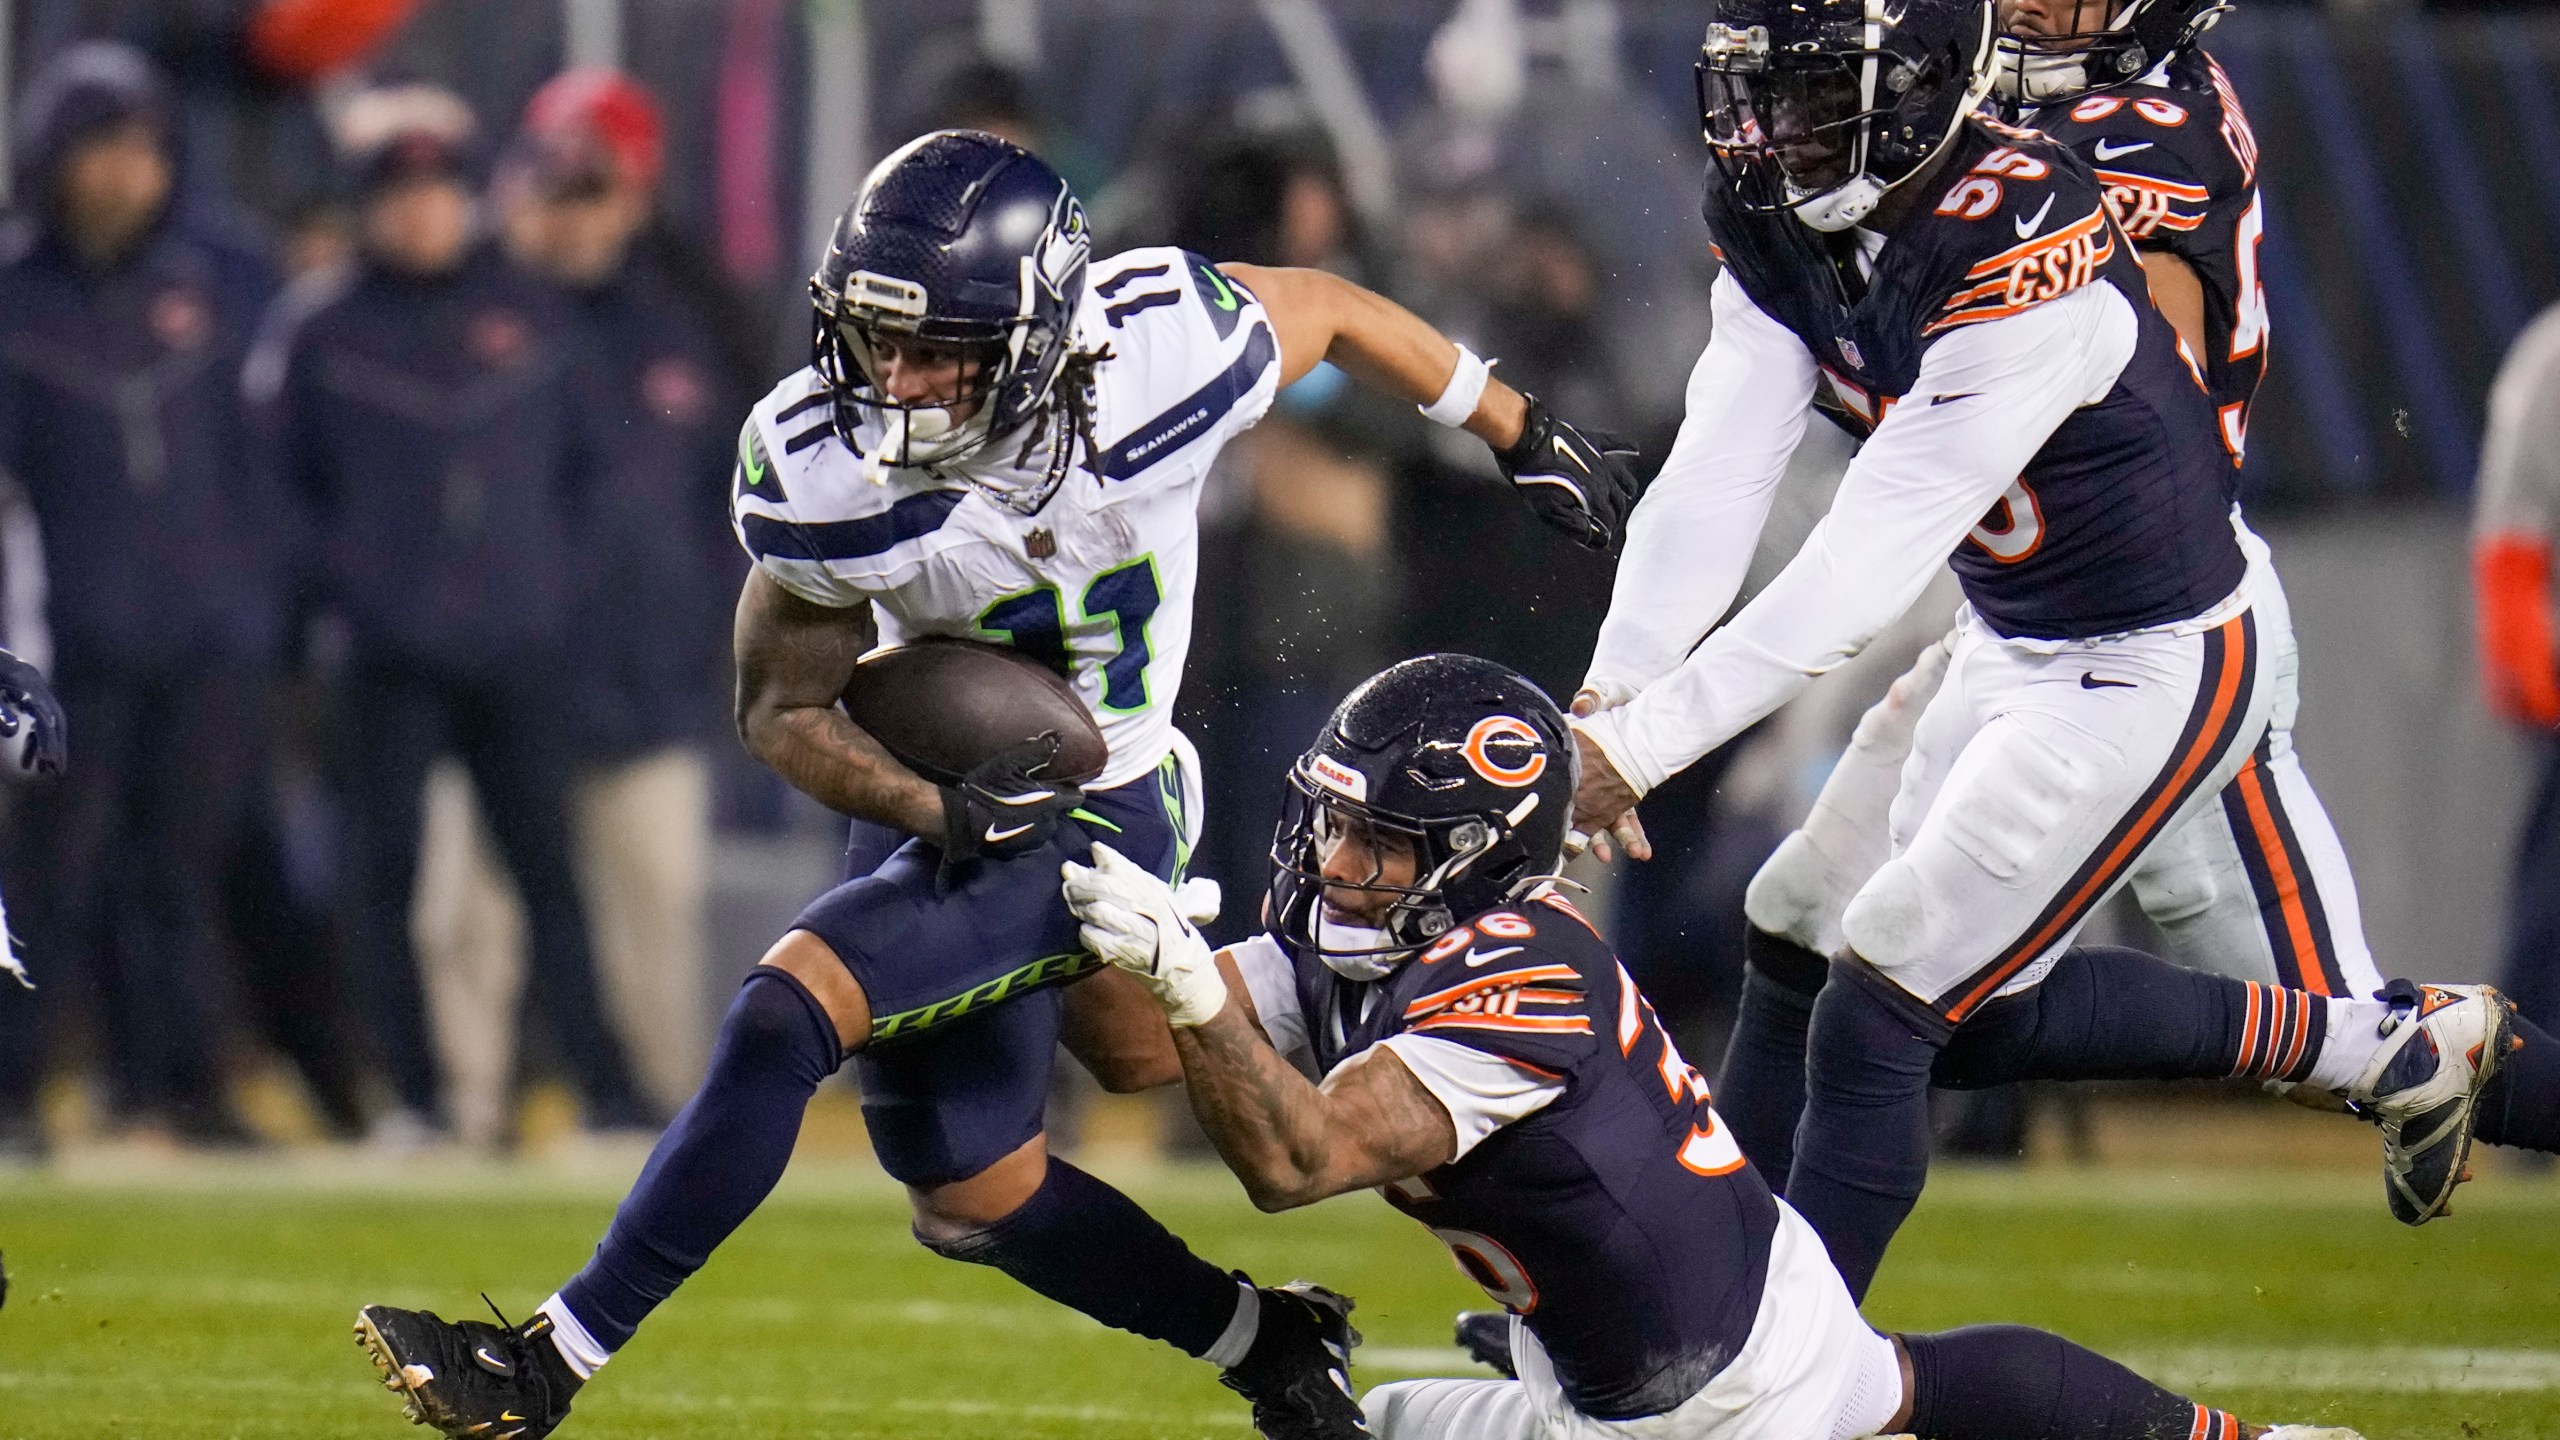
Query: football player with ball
999	440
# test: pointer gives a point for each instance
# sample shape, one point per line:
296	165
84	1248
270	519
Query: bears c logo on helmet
1504	750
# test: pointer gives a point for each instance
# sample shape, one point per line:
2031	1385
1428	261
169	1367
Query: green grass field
218	1306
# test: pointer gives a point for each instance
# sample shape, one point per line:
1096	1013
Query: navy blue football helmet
1469	760
2139	35
1820	107
958	240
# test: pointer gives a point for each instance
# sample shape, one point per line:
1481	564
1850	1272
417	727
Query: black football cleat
472	1380
1486	1337
1298	1372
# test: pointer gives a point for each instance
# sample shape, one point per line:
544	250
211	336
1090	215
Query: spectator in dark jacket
428	410
122	329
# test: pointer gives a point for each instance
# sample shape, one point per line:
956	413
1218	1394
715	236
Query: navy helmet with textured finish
964	241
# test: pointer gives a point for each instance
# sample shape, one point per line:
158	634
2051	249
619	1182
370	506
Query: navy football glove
26	700
1003	808
1582	484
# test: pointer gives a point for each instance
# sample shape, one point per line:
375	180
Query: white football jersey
1098	584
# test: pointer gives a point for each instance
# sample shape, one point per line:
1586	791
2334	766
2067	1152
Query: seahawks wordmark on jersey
1098	583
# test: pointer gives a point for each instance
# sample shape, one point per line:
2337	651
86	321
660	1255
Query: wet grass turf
219	1307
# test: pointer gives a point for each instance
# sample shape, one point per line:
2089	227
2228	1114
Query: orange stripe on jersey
1515	1024
1489	985
1531	996
2191	194
2086	225
2024	276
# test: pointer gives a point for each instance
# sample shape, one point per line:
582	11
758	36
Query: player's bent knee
1887	922
952	1219
1791	892
812	962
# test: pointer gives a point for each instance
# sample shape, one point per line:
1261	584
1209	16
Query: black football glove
1583	485
1003	808
26	700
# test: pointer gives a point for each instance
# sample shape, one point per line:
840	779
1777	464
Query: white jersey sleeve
804	512
1986	399
1481	1091
1692	536
1194	363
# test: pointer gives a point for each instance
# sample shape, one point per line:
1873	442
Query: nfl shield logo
1040	544
1849	352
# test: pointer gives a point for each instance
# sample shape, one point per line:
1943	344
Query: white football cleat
2441	1046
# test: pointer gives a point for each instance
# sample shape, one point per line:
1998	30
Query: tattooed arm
794	659
1293	1142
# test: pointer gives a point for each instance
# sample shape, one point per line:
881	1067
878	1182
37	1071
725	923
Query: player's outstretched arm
1582	483
1289	1140
794	659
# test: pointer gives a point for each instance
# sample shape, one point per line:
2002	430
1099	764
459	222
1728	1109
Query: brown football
945	705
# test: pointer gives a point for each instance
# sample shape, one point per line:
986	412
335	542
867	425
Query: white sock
1229	1352
584	1355
2347	1047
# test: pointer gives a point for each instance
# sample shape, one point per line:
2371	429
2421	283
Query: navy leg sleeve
2106	1013
1862	1152
1090	1248
717	1161
2007	1382
2521	1107
1760	1093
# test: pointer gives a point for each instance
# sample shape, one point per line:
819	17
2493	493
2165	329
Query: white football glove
1136	921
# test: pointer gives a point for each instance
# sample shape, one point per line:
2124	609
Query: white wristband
1457	404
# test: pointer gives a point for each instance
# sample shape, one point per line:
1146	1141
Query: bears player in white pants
2256	885
1426	1015
1958	291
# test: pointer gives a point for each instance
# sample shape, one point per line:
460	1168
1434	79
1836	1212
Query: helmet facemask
1827	132
874	315
1446	853
2050	69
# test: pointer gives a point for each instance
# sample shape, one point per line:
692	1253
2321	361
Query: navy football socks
1862	1150
2106	1013
1760	1092
2521	1106
719	1159
1090	1248
2007	1382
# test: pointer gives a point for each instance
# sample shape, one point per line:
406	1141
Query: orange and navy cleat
2442	1044
488	1382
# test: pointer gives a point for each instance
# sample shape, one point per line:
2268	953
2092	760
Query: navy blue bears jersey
2179	165
2122	520
1619	1220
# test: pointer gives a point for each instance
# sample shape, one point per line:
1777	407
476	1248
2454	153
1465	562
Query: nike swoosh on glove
1003	808
1582	484
1137	922
26	700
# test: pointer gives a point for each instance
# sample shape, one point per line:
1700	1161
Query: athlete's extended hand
1003	808
1146	927
1604	804
1582	484
26	700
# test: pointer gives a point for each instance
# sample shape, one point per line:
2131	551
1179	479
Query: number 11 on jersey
1035	623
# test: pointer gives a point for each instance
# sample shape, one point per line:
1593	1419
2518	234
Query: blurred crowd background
370	372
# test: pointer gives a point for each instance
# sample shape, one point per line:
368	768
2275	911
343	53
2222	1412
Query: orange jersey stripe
1507	980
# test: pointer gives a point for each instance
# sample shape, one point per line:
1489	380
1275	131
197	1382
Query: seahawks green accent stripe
1088	817
1169	788
1048	970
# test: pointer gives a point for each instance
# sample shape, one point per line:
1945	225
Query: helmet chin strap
1333	936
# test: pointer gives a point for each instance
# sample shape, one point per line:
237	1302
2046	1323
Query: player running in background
31	717
2256	885
1957	290
1002	441
1428	1017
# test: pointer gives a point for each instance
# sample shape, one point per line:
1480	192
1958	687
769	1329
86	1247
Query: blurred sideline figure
576	201
2518	514
123	321
429	411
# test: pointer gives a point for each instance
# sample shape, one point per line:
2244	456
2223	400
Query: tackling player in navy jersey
1001	439
1427	1016
1958	291
2255	885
